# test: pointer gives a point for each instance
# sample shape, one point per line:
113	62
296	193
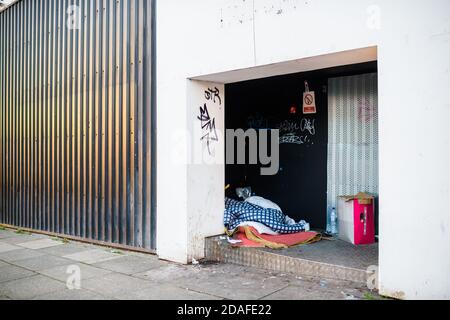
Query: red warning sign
309	103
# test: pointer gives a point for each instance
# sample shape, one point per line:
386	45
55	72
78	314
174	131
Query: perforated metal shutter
353	136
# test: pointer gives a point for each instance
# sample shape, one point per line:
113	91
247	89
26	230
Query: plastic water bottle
328	220
333	221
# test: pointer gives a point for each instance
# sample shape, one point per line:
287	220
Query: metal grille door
353	136
75	119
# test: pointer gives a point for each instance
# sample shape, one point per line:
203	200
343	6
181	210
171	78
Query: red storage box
356	219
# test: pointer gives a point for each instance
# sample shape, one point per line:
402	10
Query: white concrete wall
414	83
205	169
204	37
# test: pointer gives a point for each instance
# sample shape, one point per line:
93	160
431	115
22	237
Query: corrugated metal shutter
353	136
75	116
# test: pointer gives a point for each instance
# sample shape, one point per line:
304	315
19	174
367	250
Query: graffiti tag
297	132
213	95
209	128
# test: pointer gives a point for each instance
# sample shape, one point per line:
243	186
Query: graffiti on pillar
208	124
213	95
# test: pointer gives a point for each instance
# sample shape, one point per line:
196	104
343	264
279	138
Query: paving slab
302	293
42	273
66	249
10	272
21	238
73	295
29	288
93	256
20	254
40	244
43	263
87	272
168	273
6	234
131	264
6	247
233	284
164	292
315	283
116	284
316	288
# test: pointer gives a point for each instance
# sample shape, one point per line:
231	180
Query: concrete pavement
44	268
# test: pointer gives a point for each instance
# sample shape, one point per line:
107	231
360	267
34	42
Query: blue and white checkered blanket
237	212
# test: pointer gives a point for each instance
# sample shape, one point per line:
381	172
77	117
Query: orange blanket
252	238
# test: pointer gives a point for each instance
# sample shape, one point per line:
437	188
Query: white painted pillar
206	170
191	171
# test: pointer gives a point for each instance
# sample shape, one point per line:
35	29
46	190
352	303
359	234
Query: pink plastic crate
356	218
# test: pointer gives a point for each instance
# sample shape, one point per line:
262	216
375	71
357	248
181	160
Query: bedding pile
249	237
259	222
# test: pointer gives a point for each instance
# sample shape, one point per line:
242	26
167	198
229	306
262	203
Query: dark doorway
300	187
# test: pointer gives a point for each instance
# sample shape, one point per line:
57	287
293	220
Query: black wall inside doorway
300	187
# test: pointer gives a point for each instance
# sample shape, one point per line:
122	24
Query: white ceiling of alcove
295	66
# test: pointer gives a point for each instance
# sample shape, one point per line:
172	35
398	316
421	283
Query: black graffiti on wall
213	95
208	123
209	128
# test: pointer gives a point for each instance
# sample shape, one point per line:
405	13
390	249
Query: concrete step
327	259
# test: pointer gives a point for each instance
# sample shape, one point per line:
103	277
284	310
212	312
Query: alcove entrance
332	152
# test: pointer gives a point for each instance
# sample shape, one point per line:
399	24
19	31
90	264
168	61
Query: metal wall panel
353	136
75	119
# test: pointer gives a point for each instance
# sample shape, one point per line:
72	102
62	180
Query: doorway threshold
334	259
